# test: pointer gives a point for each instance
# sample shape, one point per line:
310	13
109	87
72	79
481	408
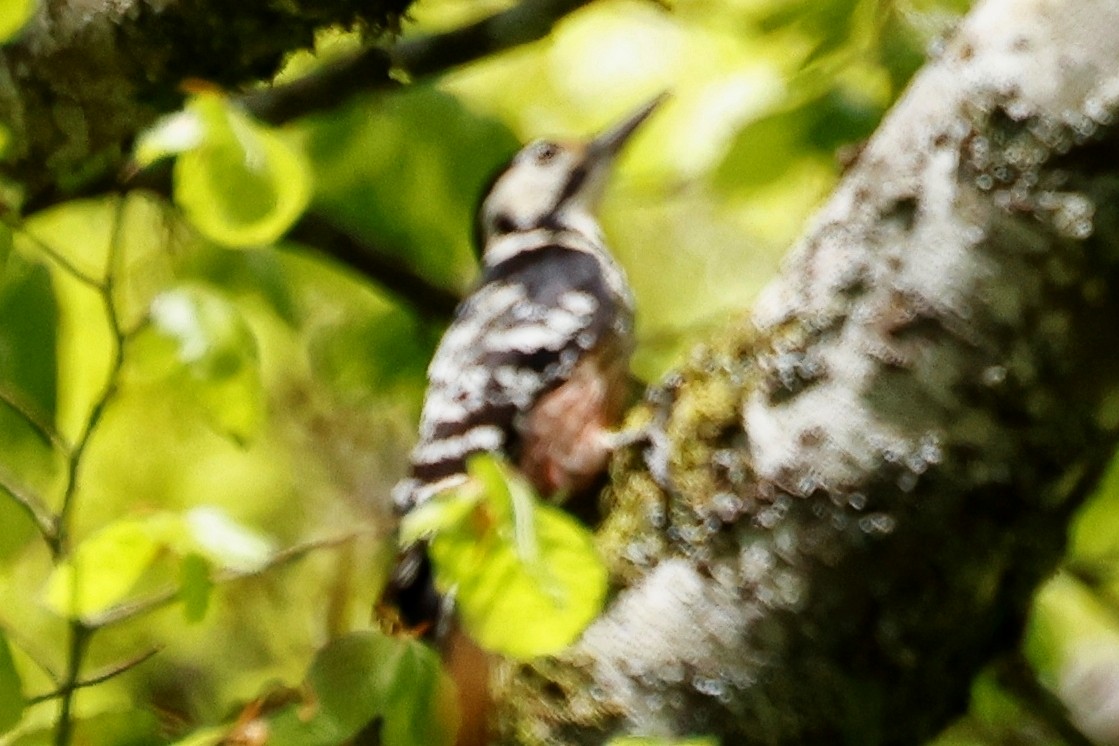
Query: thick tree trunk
851	499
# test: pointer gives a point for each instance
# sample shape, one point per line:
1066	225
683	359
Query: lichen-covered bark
84	77
850	498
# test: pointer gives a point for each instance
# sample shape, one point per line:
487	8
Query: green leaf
242	184
6	239
11	688
29	336
649	741
209	350
14	14
527	577
119	727
103	568
221	540
195	585
420	701
443	512
170	135
364	676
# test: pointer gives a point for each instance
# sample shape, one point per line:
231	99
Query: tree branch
110	672
328	87
416	58
861	491
426	299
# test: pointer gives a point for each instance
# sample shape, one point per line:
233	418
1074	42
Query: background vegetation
203	415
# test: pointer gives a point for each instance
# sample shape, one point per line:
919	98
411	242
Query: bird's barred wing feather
517	336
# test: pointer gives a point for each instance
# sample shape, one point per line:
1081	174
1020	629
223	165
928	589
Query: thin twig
32	504
38	423
97	411
131	609
102	676
80	632
56	257
1014	673
31	651
79	644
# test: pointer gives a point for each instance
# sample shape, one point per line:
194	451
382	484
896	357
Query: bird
535	363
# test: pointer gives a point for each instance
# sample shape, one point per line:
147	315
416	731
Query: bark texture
850	498
86	75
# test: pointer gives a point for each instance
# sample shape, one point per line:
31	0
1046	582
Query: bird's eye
503	224
546	152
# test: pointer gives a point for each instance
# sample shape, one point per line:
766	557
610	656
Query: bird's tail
410	600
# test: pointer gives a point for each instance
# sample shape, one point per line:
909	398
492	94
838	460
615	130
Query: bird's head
555	184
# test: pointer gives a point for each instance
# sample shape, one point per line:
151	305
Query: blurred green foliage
220	427
526	576
365	676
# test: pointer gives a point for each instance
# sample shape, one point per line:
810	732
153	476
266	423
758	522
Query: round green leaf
213	352
242	185
13	15
103	568
527	577
364	677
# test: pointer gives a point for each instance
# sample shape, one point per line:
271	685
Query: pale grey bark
850	504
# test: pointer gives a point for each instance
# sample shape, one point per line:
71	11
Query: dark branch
109	672
370	69
427	299
524	23
1016	676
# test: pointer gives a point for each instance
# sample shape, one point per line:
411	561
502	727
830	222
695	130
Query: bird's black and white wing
516	337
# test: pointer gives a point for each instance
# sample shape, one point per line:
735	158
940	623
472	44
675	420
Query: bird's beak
608	144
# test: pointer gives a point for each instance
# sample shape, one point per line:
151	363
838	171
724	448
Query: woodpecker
535	364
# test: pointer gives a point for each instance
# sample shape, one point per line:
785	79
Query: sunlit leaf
527	577
11	688
444	512
650	741
242	185
13	15
364	676
195	585
226	543
170	135
103	568
213	355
